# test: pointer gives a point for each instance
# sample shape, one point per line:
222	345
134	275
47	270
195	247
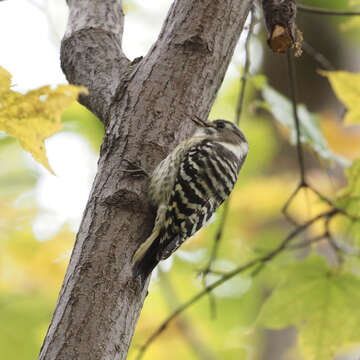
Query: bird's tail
145	257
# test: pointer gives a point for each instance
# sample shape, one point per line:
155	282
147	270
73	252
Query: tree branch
312	10
239	109
318	57
300	151
245	75
91	53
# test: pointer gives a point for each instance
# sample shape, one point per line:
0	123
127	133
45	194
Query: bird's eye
220	125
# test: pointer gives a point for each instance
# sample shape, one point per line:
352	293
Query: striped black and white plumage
188	186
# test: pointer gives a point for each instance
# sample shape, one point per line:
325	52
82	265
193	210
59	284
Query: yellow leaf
34	116
344	141
346	86
5	80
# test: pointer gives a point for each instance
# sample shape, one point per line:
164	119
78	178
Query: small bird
188	186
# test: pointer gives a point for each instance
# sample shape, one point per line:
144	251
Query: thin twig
244	77
213	256
300	152
218	237
318	57
217	272
324	198
333	205
324	64
312	10
239	109
212	300
259	261
299	148
321	196
308	242
332	242
288	202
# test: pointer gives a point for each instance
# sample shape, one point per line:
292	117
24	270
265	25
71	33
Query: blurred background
40	213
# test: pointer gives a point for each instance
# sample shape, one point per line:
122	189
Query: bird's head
220	131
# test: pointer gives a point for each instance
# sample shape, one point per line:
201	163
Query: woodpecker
188	186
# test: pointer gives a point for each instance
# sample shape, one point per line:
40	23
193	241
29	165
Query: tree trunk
143	105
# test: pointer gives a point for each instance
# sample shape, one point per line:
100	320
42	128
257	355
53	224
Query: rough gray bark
143	105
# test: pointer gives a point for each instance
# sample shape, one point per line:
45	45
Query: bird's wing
201	186
190	226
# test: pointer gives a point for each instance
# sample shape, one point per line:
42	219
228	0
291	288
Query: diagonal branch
239	111
300	152
91	53
324	64
246	73
318	57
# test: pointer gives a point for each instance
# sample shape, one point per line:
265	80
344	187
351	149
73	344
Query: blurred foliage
349	200
322	303
76	118
354	22
311	134
33	117
349	197
319	297
347	88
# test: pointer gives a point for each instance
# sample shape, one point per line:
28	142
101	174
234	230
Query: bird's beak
199	122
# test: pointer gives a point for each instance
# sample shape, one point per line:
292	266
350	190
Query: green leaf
281	108
33	117
349	197
259	81
352	22
322	303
